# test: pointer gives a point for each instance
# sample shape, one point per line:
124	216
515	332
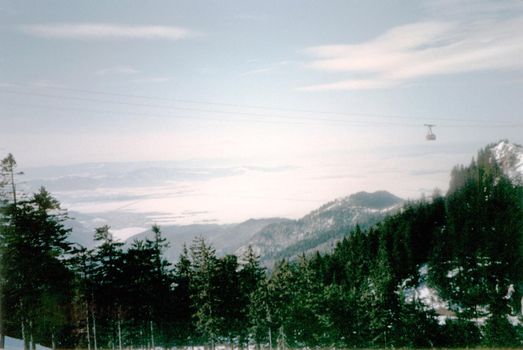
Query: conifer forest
467	245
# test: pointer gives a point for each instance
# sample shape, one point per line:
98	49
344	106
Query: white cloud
106	31
417	50
356	84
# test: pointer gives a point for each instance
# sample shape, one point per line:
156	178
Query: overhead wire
250	120
287	119
294	110
207	118
88	99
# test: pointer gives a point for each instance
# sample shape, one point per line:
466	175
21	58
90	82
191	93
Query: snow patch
453	273
510	157
514	320
18	344
429	297
432	301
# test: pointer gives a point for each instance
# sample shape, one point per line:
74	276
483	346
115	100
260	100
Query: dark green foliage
481	244
250	278
416	327
499	332
362	294
460	333
36	291
183	329
204	293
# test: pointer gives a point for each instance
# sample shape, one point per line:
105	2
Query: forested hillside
445	271
322	228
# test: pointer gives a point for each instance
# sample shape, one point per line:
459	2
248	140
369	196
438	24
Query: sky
307	100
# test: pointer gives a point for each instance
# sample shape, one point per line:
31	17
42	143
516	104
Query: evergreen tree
251	276
82	265
183	307
138	279
108	289
282	292
380	298
479	253
228	293
260	315
203	292
36	282
160	283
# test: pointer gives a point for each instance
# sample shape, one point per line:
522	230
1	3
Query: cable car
430	135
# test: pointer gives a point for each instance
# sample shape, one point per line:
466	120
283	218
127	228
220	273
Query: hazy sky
338	89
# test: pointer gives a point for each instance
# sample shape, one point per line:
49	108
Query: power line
135	104
308	121
295	110
346	114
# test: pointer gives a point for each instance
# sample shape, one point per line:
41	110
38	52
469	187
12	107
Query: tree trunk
22	324
53	344
94	330
281	339
2	336
88	325
268	315
270	338
152	334
33	345
24	337
142	340
119	334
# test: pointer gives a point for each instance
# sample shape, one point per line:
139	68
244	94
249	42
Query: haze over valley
287	175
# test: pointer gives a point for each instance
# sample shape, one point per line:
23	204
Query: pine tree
228	292
8	194
138	292
380	298
282	292
108	289
37	283
251	276
260	315
183	306
161	280
203	291
81	264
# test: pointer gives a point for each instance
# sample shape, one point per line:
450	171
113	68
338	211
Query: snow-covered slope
224	238
510	157
323	227
275	238
429	297
18	344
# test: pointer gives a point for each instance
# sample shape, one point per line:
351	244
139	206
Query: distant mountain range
224	238
323	227
275	238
